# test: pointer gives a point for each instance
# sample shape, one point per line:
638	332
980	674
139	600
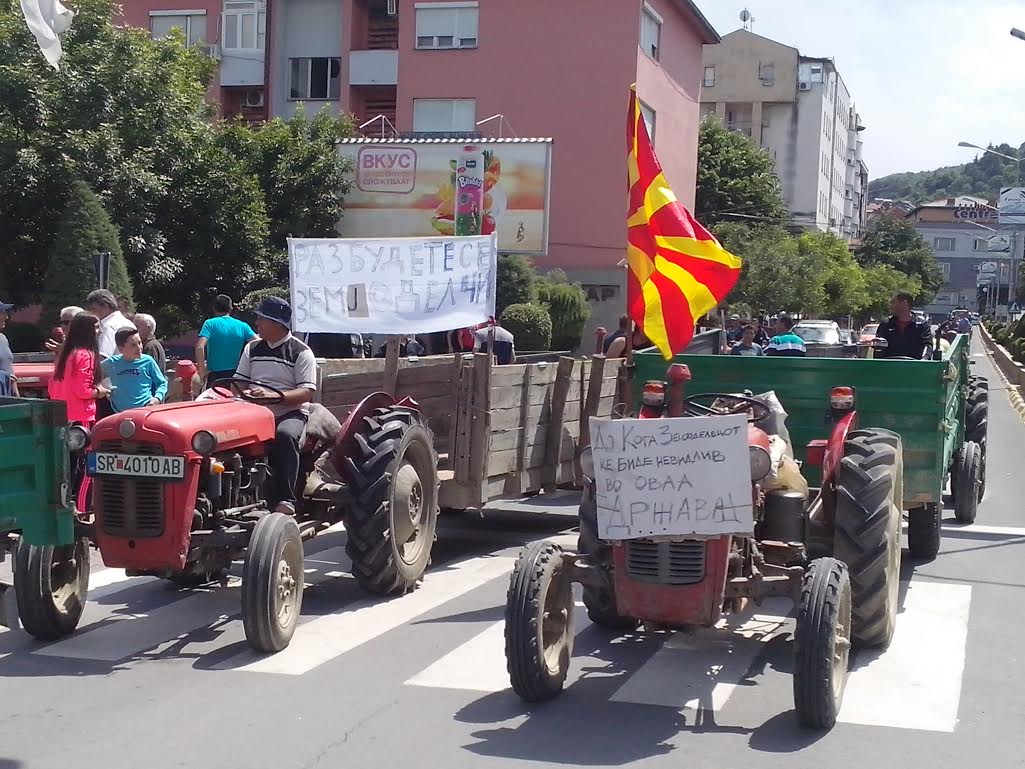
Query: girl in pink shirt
76	376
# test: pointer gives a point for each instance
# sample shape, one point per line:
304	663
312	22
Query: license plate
137	465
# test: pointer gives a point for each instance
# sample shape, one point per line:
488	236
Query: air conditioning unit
254	98
804	87
393	7
213	51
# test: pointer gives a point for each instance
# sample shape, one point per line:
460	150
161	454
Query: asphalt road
160	678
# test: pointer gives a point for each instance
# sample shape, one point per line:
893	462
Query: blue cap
275	309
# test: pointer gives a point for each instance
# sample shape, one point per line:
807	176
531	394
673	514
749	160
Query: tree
515	282
772	276
896	243
530	325
735	177
84	230
828	260
567	305
881	283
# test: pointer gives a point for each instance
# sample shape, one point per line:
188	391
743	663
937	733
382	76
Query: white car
818	331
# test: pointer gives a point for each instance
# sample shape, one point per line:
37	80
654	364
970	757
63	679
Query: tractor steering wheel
735	404
236	388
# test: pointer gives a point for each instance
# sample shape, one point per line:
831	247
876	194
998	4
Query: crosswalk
915	684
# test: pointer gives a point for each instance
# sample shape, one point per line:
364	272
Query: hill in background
982	177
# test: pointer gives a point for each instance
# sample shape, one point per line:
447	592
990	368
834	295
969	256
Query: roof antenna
747	20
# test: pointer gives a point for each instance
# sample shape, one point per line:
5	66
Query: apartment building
481	68
799	110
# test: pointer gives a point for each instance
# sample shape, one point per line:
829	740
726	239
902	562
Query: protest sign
391	285
672	477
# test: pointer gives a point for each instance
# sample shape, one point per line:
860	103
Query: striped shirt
286	365
788	344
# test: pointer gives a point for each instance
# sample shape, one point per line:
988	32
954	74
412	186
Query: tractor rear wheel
869	490
51	584
539	622
391	523
822	643
967	475
272	583
924	531
600	601
977	411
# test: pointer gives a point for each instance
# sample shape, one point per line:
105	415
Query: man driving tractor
281	361
905	337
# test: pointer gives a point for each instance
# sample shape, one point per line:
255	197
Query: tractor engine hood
234	423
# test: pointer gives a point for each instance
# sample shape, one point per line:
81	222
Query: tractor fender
835	447
344	443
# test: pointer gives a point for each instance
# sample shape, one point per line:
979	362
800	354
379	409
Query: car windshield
818	334
871	328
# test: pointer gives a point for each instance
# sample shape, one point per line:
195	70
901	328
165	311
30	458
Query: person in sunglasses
59	333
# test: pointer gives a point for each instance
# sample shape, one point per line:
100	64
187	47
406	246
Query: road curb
992	351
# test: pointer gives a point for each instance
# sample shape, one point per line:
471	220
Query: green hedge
531	326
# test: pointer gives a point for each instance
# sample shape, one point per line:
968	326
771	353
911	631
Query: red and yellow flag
677	269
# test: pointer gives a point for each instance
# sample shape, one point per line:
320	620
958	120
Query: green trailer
937	407
37	518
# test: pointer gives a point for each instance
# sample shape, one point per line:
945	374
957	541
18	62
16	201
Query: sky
923	74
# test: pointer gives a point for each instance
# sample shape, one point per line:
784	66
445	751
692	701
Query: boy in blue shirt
136	378
220	344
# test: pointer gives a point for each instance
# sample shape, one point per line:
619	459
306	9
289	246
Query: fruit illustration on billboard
471	200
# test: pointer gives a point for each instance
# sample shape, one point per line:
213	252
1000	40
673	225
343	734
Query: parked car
819	332
868	332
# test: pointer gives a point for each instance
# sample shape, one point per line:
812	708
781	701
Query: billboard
1012	205
429	188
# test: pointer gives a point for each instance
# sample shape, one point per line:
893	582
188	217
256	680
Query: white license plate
137	465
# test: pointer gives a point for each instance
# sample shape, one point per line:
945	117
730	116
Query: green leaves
892	242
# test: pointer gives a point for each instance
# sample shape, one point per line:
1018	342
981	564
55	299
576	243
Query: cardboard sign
672	477
391	286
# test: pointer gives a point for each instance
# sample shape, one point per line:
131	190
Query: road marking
1005	531
916	682
701	669
330	636
477	665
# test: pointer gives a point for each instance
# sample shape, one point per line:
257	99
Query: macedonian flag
677	269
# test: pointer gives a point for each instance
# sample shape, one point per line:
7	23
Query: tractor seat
322	428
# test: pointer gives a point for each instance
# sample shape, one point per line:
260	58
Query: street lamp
987	149
1015	32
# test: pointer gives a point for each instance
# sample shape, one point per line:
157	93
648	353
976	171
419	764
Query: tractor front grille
666	563
130	507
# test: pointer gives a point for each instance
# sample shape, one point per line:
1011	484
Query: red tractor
179	493
33	372
835	551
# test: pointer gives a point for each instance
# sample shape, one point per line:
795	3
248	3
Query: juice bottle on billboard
469	203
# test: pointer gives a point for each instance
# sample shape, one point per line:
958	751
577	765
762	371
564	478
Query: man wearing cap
285	363
8	384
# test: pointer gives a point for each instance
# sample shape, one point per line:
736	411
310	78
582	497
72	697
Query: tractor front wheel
539	622
272	583
600	601
51	584
391	523
822	643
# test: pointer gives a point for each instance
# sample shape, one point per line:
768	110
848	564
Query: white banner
1012	205
672	477
391	285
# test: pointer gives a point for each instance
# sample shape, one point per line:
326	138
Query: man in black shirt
906	337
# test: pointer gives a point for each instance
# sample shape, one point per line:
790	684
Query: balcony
374	67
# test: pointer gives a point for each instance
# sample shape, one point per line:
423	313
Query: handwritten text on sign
391	286
672	477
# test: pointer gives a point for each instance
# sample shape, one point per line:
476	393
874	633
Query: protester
76	379
747	344
151	346
414	347
761	335
59	332
733	330
220	344
104	305
505	348
8	384
786	343
905	336
614	345
280	360
136	378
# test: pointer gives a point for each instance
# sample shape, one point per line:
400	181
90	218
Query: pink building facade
434	67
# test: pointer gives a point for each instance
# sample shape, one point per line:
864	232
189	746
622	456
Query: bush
1001	336
567	305
530	324
515	282
83	231
25	337
244	309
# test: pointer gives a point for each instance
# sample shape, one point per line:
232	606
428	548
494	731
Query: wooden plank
414	377
481	416
462	448
529	456
506	376
533	480
453	424
369	382
511	397
524	408
560	392
594	386
391	366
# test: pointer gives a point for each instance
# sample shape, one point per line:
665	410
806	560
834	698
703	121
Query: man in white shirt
285	363
103	304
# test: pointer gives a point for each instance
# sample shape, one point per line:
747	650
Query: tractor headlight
761	462
76	438
587	463
126	429
204	443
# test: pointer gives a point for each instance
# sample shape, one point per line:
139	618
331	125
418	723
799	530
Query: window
767	74
245	23
945	269
816	73
709	80
191	23
944	244
649	119
313	78
651	31
446	25
444	115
